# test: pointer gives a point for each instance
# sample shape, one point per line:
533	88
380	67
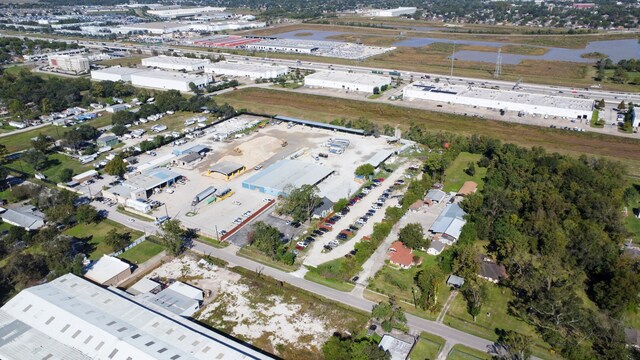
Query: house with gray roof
449	223
25	217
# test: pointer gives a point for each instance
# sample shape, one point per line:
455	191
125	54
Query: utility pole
166	212
453	57
498	72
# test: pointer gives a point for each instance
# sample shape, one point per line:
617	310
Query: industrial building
154	28
168	80
346	81
141	186
72	63
114	73
250	70
175	63
283	45
227	25
507	100
278	178
449	223
380	157
184	12
227	169
74	319
393	12
108	270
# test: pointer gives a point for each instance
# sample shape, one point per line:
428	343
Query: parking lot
318	254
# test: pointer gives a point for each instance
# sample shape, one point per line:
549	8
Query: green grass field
427	347
332	283
141	252
58	163
213	242
461	352
96	233
496	306
455	175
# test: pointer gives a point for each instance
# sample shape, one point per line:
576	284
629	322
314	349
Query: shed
435	195
228	169
399	349
108	140
108	270
455	281
468	188
436	247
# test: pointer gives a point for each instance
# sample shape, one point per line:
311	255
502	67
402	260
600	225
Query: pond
615	49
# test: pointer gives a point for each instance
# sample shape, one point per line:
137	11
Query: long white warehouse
393	12
250	70
114	73
500	99
71	318
169	80
346	81
175	13
175	63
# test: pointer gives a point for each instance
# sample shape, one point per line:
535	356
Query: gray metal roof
436	195
73	313
190	157
455	280
446	217
437	245
286	173
174	301
226	167
380	157
398	349
320	125
28	221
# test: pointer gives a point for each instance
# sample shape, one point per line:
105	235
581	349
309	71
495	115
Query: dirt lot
278	319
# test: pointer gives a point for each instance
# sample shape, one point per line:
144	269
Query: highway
611	97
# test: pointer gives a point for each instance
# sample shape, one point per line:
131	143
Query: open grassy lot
494	316
332	283
95	234
141	252
631	221
399	283
57	162
130	61
461	352
455	174
213	242
324	108
256	255
22	141
427	347
173	122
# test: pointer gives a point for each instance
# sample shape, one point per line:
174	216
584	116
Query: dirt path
446	306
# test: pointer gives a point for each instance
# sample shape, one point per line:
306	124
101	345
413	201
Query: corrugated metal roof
320	125
27	221
97	321
450	212
226	167
286	173
380	157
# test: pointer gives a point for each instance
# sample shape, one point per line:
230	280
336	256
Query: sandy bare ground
254	151
273	320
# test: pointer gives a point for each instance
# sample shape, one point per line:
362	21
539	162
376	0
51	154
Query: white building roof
169	75
351	78
245	67
380	157
118	70
187	290
143	286
27	220
71	318
174	60
398	349
105	268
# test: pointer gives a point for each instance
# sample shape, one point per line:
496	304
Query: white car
301	244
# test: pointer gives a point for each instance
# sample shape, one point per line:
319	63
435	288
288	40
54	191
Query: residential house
435	196
26	217
436	247
489	270
324	209
398	348
107	140
402	256
416	206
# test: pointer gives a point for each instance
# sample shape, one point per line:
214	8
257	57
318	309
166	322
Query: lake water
615	49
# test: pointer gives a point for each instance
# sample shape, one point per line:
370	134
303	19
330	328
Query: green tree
340	205
475	295
365	170
471	169
66	174
367	349
465	261
300	202
173	237
37	159
622	106
86	214
620	76
376	90
389	314
336	349
601	104
412	236
124	118
428	283
119	129
116	167
265	238
117	240
512	345
41	143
